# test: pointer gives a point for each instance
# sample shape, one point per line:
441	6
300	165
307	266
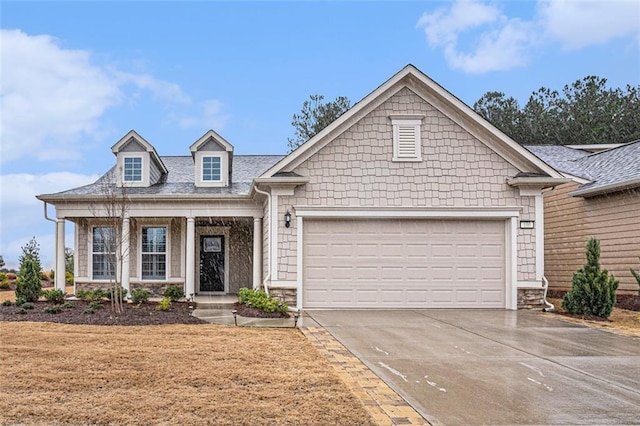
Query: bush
140	295
52	274
55	309
593	291
7	303
28	285
636	275
68	278
164	304
67	305
258	299
174	293
123	292
3	276
20	301
55	296
27	305
4	284
91	295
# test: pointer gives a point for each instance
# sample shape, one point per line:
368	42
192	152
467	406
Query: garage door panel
403	263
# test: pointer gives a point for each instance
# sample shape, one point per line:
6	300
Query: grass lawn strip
178	374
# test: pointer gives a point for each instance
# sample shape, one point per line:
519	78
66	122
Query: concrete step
215	302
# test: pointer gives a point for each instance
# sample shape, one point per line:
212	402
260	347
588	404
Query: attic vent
406	139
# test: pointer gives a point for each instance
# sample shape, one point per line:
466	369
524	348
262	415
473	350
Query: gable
211	145
132	145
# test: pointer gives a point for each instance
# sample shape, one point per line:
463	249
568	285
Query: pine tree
28	285
593	290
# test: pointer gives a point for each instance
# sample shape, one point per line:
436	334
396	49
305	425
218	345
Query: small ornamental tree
28	285
593	291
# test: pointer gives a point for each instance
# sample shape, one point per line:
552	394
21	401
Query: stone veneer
530	298
356	169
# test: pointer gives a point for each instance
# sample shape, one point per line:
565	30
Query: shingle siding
356	169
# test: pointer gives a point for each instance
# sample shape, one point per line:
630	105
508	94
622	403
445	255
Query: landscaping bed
143	314
630	302
247	311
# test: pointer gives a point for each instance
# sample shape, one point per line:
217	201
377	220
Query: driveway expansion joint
383	403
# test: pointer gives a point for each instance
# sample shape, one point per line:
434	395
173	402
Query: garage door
404	264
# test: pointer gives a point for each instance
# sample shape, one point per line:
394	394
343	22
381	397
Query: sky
77	76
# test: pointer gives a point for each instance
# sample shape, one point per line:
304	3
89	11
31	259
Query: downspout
268	277
550	306
46	214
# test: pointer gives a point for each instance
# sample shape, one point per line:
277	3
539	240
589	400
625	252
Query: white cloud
23	215
53	98
501	45
209	116
577	24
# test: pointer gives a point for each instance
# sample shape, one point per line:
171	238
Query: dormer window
406	138
211	168
132	169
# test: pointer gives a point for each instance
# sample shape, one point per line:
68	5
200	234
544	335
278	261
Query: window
154	253
406	139
211	169
104	253
133	169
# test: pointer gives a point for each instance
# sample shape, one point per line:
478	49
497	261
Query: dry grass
175	374
621	321
11	294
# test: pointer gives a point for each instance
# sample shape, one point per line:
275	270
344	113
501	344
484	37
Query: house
602	200
408	200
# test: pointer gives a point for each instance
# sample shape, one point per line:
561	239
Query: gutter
549	306
268	277
619	186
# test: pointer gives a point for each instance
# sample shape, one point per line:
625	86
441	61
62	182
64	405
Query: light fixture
296	316
235	319
287	219
527	224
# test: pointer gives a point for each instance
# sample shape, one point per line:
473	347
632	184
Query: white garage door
404	263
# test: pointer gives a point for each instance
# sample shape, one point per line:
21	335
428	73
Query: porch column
124	252
60	264
190	287
257	252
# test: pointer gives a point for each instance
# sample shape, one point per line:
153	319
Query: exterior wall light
287	219
527	224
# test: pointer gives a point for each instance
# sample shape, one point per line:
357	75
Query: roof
606	171
432	92
180	179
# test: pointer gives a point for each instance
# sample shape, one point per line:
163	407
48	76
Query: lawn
170	374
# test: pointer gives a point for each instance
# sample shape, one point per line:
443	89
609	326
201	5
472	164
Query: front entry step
206	302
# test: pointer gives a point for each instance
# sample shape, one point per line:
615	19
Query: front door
212	263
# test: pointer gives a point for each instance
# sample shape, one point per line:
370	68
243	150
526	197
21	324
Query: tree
593	291
585	112
28	285
315	116
1	261
68	260
111	212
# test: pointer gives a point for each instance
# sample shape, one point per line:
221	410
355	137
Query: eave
605	189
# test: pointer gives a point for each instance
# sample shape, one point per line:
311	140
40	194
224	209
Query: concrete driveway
463	367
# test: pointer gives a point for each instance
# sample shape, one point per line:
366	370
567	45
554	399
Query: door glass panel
212	263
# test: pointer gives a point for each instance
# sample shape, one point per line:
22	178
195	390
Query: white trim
539	229
60	277
152	223
210	134
511	298
144	158
213	231
529	284
190	258
407	122
224	168
288	285
273	233
408	212
91	227
257	252
183	249
300	260
76	256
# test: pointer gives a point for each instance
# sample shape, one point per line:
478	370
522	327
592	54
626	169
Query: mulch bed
630	302
144	314
246	311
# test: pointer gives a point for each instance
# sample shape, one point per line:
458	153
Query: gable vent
406	138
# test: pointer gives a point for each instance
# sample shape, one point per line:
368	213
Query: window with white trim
103	253
154	253
132	169
211	169
406	139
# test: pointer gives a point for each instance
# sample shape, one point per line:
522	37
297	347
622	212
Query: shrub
174	293
636	275
91	295
7	303
55	296
593	291
55	309
67	305
164	304
123	292
27	305
52	274
4	284
140	295
258	299
20	301
3	276
28	285
68	278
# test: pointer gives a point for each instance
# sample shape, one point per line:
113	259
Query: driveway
462	367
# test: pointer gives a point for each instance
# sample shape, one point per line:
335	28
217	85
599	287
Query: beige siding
241	255
83	248
265	241
356	169
176	247
614	219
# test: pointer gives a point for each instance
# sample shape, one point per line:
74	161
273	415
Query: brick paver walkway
384	405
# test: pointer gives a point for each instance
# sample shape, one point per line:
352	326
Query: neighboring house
408	200
602	201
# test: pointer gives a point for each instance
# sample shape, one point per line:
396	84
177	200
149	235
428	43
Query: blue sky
76	76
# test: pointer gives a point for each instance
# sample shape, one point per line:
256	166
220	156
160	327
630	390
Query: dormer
138	163
212	156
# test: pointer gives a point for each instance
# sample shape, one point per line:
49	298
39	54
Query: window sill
406	160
